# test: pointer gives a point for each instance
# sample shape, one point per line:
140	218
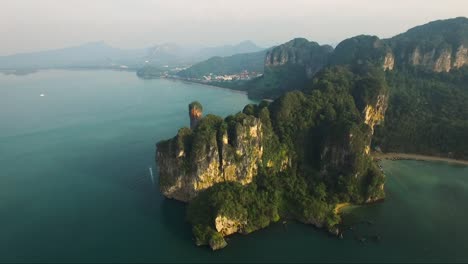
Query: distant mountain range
425	68
438	46
101	55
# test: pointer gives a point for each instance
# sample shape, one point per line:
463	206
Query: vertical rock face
362	50
389	62
341	151
434	60
242	151
374	114
292	64
227	226
212	152
443	62
299	51
438	60
175	169
461	57
438	46
195	113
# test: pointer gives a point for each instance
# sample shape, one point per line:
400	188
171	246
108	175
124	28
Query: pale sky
31	25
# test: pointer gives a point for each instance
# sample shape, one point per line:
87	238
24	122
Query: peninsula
307	153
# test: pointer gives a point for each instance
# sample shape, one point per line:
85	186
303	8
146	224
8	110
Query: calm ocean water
75	185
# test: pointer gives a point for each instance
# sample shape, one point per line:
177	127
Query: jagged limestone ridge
325	133
215	151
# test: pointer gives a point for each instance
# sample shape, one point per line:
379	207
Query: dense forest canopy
312	130
330	107
427	113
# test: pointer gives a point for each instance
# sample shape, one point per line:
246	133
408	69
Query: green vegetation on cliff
313	158
309	149
360	50
434	35
427	113
289	67
428	110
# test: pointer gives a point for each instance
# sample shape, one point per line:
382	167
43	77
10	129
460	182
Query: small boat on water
42	95
151	174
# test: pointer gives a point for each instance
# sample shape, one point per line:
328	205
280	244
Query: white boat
42	95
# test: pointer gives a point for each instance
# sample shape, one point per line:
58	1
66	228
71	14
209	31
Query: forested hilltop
425	69
309	150
428	109
297	157
436	47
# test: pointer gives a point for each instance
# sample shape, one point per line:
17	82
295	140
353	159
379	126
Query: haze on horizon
34	25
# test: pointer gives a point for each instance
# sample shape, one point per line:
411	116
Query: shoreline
32	71
340	206
202	83
408	156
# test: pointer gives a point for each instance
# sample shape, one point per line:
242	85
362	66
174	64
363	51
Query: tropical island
308	152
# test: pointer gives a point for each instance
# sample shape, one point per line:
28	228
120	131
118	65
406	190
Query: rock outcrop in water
290	158
308	150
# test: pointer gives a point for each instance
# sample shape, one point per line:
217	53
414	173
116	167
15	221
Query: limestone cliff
364	49
214	151
440	59
461	57
290	158
438	46
195	114
300	52
375	113
307	150
242	149
389	61
227	226
289	66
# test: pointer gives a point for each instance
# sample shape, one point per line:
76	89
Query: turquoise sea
75	183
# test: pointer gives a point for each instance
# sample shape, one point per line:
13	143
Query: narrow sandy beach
405	156
340	206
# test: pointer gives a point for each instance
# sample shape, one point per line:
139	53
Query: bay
75	184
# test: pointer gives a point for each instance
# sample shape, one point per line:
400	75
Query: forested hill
294	158
309	150
250	62
427	113
426	70
439	46
289	66
428	109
